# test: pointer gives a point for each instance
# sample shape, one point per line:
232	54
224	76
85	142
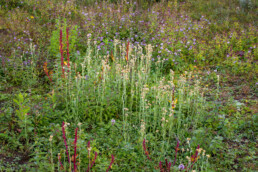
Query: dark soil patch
15	159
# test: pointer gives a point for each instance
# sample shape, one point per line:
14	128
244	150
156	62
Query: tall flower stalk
127	51
112	161
75	146
46	71
60	163
93	162
61	51
177	148
194	157
145	149
64	137
67	46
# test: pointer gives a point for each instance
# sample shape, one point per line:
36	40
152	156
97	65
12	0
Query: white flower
51	138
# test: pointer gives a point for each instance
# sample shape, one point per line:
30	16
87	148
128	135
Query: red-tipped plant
145	149
59	159
127	51
93	162
160	167
64	137
67	46
177	148
168	165
112	161
46	71
194	157
61	51
75	146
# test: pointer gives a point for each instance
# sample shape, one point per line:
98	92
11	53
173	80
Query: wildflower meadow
128	85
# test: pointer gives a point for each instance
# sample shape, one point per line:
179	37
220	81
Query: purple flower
113	121
181	166
86	77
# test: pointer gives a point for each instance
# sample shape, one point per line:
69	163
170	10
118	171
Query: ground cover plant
128	85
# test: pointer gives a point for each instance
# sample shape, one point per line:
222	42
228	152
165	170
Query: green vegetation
167	85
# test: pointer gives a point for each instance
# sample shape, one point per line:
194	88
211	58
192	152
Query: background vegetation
143	83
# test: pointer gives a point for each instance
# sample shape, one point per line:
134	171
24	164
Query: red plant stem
169	166
112	161
66	147
46	71
48	75
59	159
160	166
67	44
61	51
177	148
75	146
93	162
127	50
195	156
145	149
166	161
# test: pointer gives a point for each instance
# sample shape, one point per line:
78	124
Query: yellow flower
65	63
32	17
